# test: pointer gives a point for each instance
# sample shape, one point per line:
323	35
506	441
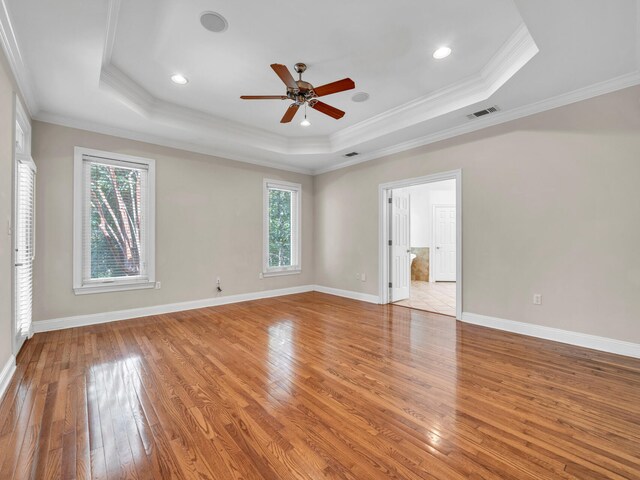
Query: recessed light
360	97
214	22
179	79
442	52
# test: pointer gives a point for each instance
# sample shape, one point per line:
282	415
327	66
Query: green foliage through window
280	228
115	221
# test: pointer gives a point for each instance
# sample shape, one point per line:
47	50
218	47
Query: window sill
112	287
280	273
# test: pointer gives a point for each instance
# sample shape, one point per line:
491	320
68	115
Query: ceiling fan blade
264	97
290	113
327	109
335	87
285	75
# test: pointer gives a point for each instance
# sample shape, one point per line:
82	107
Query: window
24	229
281	228
114	222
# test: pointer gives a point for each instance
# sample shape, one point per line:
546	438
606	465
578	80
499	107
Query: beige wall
551	205
208	225
7	94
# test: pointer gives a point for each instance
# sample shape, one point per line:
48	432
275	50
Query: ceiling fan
303	93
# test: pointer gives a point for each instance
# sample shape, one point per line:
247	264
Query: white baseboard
5	375
363	297
96	318
594	342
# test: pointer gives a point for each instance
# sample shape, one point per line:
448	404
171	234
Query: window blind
114	221
24	245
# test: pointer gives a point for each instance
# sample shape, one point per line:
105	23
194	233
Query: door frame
432	277
384	224
20	116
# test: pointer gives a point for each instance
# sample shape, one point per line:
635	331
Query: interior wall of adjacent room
550	205
208	225
8	90
422	199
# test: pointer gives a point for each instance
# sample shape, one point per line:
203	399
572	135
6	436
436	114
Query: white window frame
19	156
268	271
79	258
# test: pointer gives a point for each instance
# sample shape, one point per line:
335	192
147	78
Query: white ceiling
104	65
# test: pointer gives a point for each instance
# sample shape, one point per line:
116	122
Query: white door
24	244
400	246
444	236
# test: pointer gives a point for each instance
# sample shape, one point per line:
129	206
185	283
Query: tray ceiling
106	66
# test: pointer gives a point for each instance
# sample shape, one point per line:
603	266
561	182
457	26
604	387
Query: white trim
96	318
383	230
604	344
112	26
87	126
363	297
297	233
116	286
6	374
585	93
21	118
79	262
279	273
14	56
516	52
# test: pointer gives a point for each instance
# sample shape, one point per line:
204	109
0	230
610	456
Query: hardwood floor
315	386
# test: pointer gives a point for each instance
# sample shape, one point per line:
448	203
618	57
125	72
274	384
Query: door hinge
390	285
390	200
390	242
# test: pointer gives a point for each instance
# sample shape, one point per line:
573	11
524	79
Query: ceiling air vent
484	112
352	154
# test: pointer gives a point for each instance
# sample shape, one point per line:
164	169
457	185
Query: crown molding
516	52
511	57
16	62
138	99
71	122
113	14
602	88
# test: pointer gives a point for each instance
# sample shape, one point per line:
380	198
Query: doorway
23	230
420	243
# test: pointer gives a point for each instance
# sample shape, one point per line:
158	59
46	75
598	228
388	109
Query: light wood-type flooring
313	386
435	297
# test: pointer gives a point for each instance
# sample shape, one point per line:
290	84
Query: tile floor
438	297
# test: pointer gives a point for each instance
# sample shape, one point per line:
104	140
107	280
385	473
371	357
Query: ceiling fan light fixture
442	52
179	79
305	122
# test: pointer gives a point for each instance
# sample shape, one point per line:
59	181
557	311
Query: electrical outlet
158	285
363	277
537	299
260	275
